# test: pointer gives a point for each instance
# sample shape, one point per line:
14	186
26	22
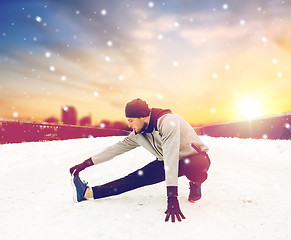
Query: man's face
137	124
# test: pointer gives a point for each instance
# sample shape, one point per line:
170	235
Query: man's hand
173	209
78	168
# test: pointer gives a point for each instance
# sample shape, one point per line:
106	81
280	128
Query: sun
250	108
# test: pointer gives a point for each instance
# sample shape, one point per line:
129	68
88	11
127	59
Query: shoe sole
74	189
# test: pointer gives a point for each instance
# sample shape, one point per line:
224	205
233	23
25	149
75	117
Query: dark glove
81	166
173	210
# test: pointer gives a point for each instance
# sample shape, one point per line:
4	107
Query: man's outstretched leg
148	175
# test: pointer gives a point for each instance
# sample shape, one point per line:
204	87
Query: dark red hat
137	108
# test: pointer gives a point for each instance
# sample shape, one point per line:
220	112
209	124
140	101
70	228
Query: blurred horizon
209	61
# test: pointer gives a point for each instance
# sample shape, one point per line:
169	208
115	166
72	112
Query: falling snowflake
175	64
96	94
107	59
242	22
160	96
287	125
213	110
172	123
102	125
176	24
77	12
47	54
38	19
63	78
151	4
187	161
279	74
109	43
15	114
160	36
52	68
275	61
264	39
65	108
103	12
140	173
226	67
120	77
214	75
265	136
225	6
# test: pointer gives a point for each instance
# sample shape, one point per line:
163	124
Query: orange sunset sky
209	61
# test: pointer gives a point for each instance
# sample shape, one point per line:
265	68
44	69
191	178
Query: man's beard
144	127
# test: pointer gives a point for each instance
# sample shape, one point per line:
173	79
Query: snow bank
247	194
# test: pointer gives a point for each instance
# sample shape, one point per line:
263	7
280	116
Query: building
69	115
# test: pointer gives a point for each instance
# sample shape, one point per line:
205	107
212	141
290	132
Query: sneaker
195	192
79	188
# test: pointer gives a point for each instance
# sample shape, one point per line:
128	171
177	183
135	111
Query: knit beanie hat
137	108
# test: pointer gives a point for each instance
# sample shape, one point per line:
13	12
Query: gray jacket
170	140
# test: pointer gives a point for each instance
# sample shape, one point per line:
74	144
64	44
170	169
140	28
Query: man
178	149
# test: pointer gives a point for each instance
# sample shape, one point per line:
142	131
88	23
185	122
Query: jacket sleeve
108	153
170	132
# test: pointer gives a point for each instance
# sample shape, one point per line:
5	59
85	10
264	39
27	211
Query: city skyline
209	61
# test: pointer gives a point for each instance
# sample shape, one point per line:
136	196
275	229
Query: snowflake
109	43
140	173
187	161
275	61
214	75
63	78
103	12
225	6
65	108
160	96
265	136
213	110
226	67
264	39
287	125
151	4
96	94
107	59
175	64
52	68
160	36
279	74
176	24
15	114
102	125
172	123
77	12
242	22
38	19
120	77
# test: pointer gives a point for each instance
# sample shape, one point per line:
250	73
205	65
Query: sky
209	61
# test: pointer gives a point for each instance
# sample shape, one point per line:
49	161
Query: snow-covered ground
247	195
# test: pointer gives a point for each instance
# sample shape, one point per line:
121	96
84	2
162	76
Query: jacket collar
155	114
